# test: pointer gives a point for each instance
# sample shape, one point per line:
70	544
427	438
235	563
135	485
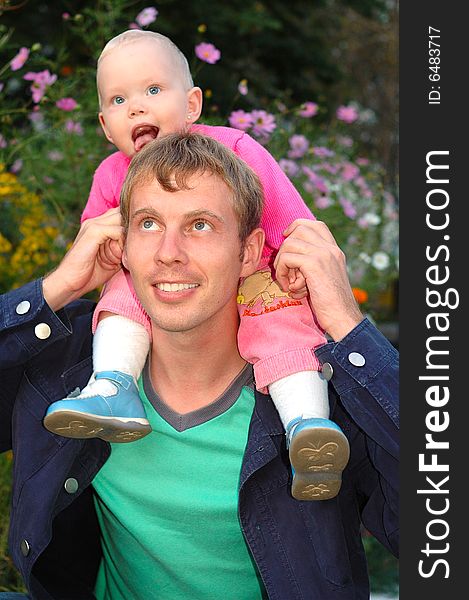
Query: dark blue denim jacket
303	550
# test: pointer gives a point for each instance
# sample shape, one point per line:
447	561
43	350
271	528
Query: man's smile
166	286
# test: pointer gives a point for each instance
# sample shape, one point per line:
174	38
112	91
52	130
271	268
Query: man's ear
252	252
124	257
102	122
194	103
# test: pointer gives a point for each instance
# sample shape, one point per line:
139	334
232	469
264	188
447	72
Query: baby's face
143	95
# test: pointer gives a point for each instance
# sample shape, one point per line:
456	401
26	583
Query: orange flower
66	70
361	296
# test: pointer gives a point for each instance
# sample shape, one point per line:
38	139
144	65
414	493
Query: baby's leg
278	334
109	406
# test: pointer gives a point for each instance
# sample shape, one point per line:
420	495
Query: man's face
183	253
143	95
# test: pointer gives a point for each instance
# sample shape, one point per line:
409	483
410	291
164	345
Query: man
200	508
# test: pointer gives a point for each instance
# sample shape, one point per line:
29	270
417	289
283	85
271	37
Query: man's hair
174	159
135	35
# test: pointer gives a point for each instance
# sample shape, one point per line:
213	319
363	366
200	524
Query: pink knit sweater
282	203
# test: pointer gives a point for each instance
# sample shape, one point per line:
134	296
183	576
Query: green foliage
10	580
383	567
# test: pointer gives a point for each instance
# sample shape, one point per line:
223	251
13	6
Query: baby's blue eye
153	90
118	100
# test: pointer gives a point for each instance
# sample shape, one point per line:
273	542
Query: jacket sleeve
282	203
365	376
28	325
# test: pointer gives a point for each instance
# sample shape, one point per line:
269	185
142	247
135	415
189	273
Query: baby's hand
297	284
110	254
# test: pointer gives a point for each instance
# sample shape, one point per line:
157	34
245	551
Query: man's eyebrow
193	214
147	210
200	213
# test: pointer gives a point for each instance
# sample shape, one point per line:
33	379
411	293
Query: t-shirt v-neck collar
181	422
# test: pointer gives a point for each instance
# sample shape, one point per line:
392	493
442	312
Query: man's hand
91	261
311	249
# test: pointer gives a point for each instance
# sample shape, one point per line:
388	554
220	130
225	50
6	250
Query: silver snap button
71	485
356	359
42	331
25	547
23	307
327	371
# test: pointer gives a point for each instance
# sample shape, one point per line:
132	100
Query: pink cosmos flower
3	142
134	26
316	180
350	171
65	16
363	223
73	127
243	87
18	61
349	209
289	167
362	162
322	151
308	110
332	169
321	185
16	166
37	119
361	182
207	52
40	80
344	140
263	122
239	119
298	146
348	114
323	202
146	16
66	104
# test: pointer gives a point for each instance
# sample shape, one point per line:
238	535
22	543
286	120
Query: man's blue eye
153	90
118	100
147	224
201	225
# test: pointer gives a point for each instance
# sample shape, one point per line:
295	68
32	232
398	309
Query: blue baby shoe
319	452
117	418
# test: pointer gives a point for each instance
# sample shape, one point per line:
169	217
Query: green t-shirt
168	505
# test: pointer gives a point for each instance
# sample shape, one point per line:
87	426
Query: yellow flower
27	237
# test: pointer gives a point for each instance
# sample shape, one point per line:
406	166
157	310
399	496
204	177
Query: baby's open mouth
142	134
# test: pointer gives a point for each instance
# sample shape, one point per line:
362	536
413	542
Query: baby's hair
134	35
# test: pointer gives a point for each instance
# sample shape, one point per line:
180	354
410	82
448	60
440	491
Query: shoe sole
78	425
318	457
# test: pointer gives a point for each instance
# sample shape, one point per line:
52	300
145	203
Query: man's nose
171	248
